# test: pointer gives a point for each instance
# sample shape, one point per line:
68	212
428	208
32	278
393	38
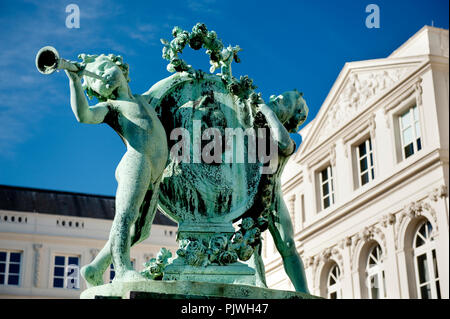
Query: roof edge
42	190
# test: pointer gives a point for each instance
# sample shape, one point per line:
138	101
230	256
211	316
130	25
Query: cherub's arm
80	107
285	144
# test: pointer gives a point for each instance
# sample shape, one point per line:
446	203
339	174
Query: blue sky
287	45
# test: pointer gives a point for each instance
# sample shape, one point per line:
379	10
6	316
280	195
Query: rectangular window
66	272
326	187
366	167
410	133
10	262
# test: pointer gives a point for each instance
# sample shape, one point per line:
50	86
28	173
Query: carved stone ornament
347	241
333	155
417	208
388	219
330	253
309	261
438	192
372	125
367	234
414	210
418	91
357	90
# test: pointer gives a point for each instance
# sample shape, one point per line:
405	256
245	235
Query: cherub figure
140	169
227	55
284	115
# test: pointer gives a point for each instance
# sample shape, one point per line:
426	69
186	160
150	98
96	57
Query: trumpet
48	61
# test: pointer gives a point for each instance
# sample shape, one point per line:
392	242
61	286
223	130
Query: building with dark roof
46	235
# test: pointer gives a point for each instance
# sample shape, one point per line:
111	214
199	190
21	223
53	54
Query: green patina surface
191	288
205	197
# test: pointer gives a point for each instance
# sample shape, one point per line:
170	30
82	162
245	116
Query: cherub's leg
280	227
134	177
93	272
257	262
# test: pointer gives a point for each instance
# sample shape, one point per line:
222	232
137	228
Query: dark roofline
44	201
34	189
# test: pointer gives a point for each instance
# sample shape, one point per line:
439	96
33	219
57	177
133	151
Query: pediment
358	84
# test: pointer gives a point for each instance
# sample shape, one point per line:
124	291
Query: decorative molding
346	242
372	125
368	233
333	155
386	118
418	91
309	262
388	219
413	88
413	210
438	192
358	89
37	260
318	261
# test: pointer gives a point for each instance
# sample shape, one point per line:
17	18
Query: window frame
413	121
65	277
426	249
393	114
377	270
331	186
337	286
8	262
368	143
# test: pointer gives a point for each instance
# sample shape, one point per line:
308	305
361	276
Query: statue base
181	289
237	273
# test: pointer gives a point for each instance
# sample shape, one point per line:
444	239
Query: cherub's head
112	69
290	108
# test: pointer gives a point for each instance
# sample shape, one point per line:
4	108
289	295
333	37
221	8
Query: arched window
334	290
375	274
425	263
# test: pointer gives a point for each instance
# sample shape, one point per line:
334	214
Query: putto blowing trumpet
48	61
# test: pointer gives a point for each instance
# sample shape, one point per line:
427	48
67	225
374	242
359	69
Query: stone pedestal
181	289
237	273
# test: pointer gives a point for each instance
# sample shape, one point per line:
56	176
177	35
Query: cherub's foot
128	276
92	276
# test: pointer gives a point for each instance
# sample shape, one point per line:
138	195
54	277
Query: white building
45	234
367	189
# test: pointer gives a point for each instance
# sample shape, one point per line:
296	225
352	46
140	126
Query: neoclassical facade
368	187
45	236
